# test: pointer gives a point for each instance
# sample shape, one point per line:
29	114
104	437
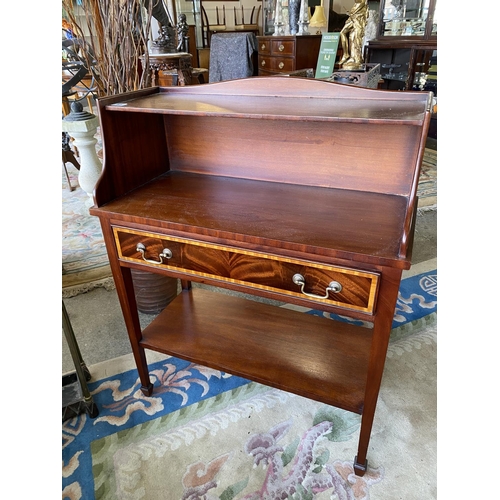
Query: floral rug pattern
427	183
207	435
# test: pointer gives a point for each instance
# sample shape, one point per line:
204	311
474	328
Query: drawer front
264	63
283	48
252	269
264	46
276	64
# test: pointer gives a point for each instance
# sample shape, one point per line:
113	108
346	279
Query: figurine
352	36
165	43
182	33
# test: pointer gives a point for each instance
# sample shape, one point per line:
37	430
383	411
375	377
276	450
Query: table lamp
318	20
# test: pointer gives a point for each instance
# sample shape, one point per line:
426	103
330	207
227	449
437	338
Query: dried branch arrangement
117	32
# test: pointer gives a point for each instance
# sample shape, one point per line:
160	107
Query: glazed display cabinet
406	40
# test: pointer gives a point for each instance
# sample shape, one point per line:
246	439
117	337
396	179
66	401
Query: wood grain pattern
272	273
328	222
308	355
352	151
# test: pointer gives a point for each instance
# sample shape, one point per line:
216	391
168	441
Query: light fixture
318	20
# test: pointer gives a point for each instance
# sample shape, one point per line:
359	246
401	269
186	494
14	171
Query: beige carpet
427	184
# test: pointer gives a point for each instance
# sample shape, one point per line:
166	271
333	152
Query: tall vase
278	19
304	18
293	15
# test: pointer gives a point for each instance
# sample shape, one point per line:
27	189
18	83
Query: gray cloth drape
231	56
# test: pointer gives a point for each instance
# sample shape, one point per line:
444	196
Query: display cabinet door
408	18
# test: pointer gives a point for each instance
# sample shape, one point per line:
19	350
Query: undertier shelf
311	356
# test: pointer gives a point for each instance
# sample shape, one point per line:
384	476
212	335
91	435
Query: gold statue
352	35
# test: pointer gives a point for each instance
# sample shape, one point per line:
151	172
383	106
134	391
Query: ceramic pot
153	291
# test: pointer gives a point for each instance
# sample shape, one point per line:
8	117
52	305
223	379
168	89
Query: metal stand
76	396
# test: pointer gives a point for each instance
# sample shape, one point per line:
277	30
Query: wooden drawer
264	46
278	64
358	289
283	47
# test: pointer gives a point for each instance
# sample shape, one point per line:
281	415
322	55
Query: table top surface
318	220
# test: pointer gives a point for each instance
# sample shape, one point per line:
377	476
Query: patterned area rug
206	435
427	184
84	259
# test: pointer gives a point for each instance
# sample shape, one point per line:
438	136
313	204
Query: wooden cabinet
406	40
282	54
240	185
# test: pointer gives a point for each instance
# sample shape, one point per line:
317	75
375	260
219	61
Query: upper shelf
290	99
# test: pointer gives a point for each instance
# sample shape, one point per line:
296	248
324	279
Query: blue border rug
208	435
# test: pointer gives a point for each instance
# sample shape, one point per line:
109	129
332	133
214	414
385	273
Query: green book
327	54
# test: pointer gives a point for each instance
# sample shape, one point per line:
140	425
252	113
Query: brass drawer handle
334	287
263	46
166	254
281	48
263	63
281	64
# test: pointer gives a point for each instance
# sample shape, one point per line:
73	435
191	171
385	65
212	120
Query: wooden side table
170	70
266	189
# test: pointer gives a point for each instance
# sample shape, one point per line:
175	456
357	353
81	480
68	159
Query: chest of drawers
302	192
282	54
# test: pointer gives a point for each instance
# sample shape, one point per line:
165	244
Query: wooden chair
254	21
207	28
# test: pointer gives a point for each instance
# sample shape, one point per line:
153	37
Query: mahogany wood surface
332	222
122	174
249	182
308	355
297	153
387	108
255	269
